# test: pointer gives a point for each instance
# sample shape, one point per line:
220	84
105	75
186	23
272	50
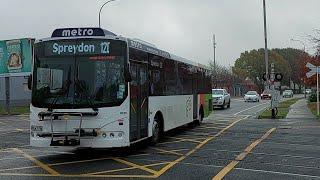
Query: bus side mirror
30	82
127	76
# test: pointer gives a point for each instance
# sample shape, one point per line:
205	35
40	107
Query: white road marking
250	108
281	173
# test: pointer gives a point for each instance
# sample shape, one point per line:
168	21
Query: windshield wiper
65	90
83	91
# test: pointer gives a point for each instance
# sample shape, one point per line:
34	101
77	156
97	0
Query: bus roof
91	32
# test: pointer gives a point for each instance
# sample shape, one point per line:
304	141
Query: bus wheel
155	132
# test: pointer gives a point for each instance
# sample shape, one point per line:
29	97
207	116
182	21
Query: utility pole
214	60
266	56
275	94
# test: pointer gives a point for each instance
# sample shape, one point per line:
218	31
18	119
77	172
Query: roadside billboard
16	57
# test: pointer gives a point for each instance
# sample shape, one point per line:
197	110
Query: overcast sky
182	27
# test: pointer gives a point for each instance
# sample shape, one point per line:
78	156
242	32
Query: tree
295	58
251	64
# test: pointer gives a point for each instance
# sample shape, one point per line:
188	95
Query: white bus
92	88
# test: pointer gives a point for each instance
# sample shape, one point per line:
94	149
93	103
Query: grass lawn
313	108
283	109
15	110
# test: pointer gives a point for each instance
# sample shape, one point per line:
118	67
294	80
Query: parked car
308	91
265	95
251	96
287	93
220	98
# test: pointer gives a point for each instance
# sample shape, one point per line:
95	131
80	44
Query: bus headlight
104	135
34	134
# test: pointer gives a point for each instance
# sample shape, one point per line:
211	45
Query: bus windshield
79	73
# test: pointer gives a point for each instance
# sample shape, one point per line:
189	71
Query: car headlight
220	97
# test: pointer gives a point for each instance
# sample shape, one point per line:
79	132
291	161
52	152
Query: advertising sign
15	57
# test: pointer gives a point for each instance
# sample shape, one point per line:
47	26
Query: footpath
300	110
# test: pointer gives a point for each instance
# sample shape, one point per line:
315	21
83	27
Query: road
230	144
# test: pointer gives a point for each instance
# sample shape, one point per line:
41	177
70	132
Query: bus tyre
155	132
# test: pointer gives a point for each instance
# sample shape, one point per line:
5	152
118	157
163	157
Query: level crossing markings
250	108
241	156
135	165
280	173
14	131
180	153
172	152
212	127
128	168
170	165
37	162
185	139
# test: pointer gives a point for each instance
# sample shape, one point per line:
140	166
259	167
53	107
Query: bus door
139	90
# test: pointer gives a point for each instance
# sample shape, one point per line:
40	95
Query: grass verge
15	110
313	108
283	109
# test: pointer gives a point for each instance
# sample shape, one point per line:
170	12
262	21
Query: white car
251	96
287	93
221	98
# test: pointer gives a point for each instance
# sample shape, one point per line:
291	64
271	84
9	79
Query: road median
283	109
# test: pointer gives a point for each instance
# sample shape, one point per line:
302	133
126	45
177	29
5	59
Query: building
15	67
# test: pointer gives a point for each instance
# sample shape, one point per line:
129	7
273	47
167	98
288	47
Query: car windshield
217	92
251	93
82	80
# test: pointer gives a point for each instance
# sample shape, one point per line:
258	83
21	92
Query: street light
214	60
101	10
304	50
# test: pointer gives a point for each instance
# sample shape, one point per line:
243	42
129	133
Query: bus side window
156	75
170	77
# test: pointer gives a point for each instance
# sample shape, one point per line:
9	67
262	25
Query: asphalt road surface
230	144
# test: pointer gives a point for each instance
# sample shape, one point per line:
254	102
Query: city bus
94	89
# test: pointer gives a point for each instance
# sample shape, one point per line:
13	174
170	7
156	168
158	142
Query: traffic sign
313	70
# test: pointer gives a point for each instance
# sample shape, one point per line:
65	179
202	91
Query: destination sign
83	47
144	47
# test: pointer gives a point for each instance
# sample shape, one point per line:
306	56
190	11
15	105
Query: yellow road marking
194	138
19	168
37	162
184	139
210	127
124	169
132	106
168	151
241	156
20	130
135	165
65	163
79	176
169	142
15	130
219	123
170	165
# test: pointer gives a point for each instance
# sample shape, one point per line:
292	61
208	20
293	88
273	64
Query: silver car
251	96
220	98
287	94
